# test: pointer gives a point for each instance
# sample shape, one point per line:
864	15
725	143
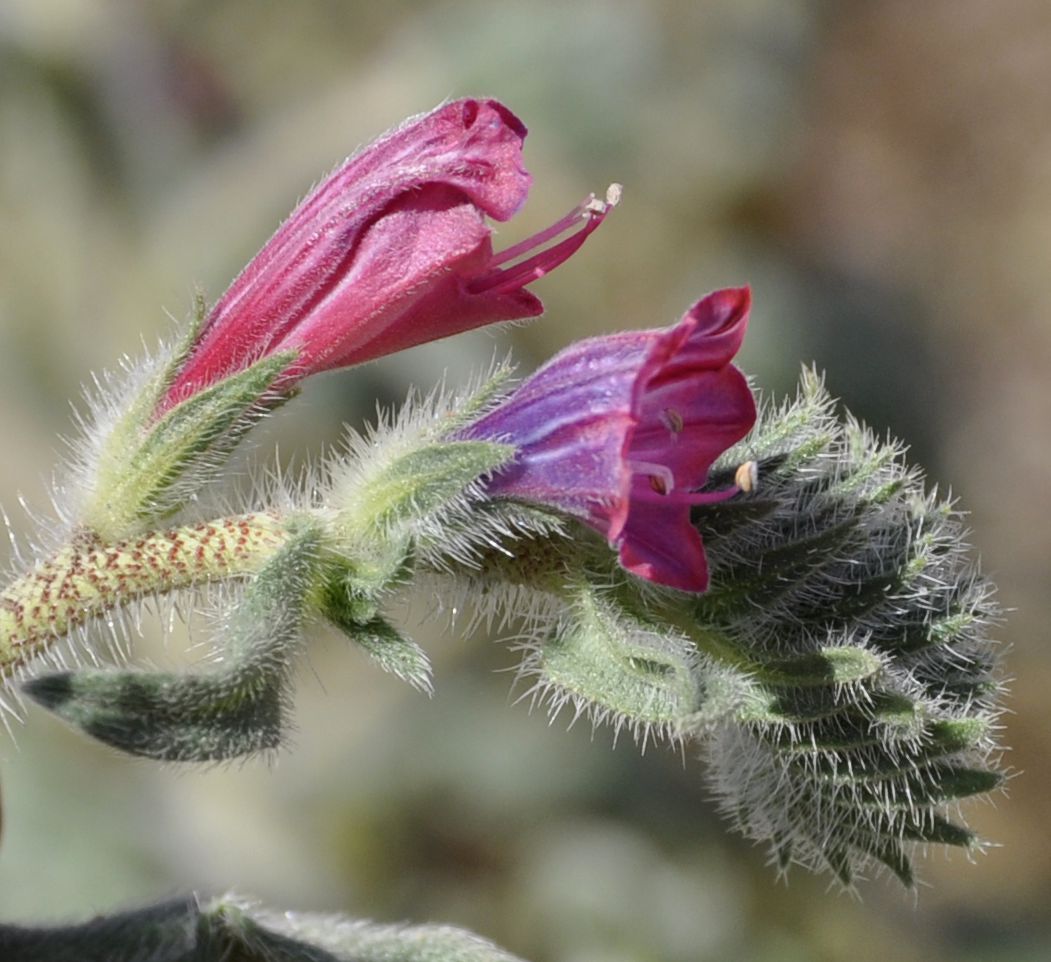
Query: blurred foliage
880	173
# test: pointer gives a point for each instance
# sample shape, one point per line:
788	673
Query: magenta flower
621	430
390	251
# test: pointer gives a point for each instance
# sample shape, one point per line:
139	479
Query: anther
672	420
746	477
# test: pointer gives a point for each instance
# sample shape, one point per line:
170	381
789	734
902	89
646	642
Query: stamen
747	476
672	420
583	219
681	496
661	478
577	214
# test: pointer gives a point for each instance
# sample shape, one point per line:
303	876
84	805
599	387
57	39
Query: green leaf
391	650
166	932
231	930
247	933
231	711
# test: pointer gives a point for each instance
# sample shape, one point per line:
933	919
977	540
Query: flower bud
389	251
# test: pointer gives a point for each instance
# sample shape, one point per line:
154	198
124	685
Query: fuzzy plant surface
837	676
768	584
230	929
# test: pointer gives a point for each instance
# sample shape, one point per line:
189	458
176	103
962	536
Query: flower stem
90	576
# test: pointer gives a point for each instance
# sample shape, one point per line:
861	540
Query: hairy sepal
849	590
358	618
418	485
622	666
402	496
146	469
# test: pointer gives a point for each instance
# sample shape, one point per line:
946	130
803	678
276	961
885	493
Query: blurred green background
880	172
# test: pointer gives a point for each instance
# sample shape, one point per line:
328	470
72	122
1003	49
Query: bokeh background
879	172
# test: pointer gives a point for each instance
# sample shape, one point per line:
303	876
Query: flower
621	430
390	251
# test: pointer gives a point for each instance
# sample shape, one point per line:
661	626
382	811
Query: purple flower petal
620	431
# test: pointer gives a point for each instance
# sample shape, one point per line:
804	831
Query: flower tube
620	431
391	250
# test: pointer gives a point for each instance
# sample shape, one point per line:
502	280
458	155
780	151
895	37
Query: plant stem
89	576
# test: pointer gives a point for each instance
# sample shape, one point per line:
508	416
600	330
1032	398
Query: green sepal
855	731
891	854
933	784
939	831
477	402
354	590
879	762
738	590
814	704
419	484
186	343
641	672
141	408
146	471
151	396
836	665
941	631
840	863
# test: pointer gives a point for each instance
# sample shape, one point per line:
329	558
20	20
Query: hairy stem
229	710
89	576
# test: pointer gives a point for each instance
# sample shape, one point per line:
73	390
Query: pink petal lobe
660	544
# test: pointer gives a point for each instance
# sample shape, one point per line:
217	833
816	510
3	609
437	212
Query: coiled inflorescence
841	548
838	672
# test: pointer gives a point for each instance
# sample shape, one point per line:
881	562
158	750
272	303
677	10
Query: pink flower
390	251
621	430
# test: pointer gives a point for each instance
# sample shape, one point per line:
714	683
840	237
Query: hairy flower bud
389	251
